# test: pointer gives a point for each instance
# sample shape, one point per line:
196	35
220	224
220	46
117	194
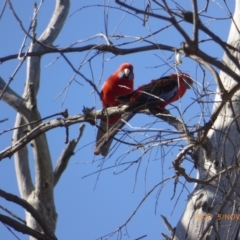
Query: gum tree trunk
213	207
39	194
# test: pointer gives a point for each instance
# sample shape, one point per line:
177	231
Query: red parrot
158	93
119	83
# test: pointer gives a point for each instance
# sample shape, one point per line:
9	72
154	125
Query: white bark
208	203
39	195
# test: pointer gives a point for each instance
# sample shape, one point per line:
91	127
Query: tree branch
42	199
90	117
23	228
56	23
195	22
13	99
101	48
189	48
60	122
29	208
22	168
200	55
62	162
176	123
188	17
137	11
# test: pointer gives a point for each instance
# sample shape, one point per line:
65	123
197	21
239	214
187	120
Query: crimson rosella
158	93
119	83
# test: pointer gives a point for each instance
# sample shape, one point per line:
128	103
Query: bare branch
18	19
62	162
195	22
197	56
191	49
90	116
22	168
168	225
13	214
43	127
212	71
28	207
56	23
3	9
176	24
13	99
175	122
137	11
44	201
34	122
101	48
188	16
23	228
3	120
119	229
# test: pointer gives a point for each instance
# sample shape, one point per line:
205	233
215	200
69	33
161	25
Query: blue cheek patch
120	75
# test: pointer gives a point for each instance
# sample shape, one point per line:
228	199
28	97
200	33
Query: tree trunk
40	194
212	209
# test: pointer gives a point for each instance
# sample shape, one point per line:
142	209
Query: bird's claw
87	110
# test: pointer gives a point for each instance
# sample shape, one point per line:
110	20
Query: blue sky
92	202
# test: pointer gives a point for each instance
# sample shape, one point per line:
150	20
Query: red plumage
119	83
158	93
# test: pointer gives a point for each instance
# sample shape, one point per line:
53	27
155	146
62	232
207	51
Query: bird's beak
126	71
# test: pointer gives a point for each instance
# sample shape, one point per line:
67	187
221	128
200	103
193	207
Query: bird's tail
104	142
99	149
